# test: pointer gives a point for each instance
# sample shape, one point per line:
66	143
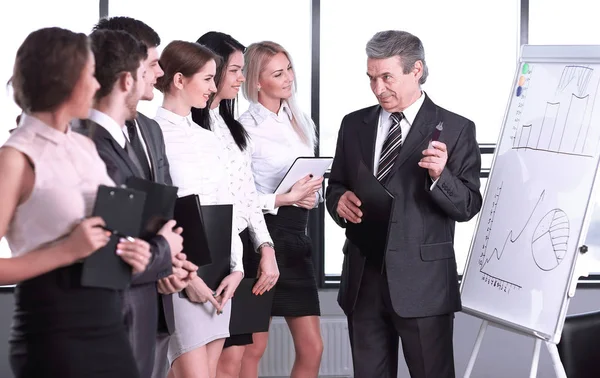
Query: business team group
79	129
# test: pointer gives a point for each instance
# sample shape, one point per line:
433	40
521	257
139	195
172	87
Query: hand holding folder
250	313
377	204
121	209
159	206
302	167
207	232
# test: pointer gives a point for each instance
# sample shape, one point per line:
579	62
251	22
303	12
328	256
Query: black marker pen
117	233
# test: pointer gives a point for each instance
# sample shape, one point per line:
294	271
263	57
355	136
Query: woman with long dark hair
219	117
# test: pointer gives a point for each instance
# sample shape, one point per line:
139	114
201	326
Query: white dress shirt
275	145
385	123
242	188
197	161
141	139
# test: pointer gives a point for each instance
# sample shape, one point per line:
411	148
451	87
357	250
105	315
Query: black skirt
296	290
61	329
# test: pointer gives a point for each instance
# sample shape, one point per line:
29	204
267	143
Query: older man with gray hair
428	159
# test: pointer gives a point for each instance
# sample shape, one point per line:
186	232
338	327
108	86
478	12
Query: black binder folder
377	204
207	231
250	313
188	215
121	209
218	221
159	206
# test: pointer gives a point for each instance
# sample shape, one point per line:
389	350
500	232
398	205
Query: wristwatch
265	244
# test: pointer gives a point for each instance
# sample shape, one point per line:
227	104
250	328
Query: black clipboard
377	204
121	209
159	206
250	313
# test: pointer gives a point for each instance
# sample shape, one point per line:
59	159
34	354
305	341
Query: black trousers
375	330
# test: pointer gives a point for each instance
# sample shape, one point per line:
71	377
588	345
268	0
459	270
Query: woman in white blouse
280	133
197	163
219	117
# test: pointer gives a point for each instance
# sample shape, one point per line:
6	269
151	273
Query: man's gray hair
390	43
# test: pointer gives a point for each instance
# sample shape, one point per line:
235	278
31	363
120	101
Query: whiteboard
537	200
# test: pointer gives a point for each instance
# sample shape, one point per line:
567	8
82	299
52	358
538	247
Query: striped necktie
391	147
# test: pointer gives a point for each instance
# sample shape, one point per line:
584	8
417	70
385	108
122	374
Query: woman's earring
259	89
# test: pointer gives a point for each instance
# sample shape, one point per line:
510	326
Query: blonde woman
280	133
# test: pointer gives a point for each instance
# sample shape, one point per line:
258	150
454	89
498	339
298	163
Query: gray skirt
196	324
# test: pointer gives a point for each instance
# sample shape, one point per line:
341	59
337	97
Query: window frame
316	222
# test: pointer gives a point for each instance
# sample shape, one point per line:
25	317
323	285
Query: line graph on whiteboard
548	244
564	128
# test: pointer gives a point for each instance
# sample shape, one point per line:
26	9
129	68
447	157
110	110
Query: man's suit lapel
97	131
149	147
420	131
368	134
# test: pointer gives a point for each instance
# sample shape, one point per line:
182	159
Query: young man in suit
120	70
409	289
148	133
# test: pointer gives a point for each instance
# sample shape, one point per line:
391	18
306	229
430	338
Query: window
4	250
47	13
471	56
551	23
288	24
334	241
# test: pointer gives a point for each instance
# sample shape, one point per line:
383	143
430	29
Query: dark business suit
414	292
140	299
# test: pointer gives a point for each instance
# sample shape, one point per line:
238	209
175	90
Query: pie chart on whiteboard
550	240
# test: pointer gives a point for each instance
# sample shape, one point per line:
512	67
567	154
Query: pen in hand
118	233
435	136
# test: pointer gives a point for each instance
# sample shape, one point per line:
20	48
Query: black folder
159	206
206	237
188	215
218	221
250	313
121	209
377	204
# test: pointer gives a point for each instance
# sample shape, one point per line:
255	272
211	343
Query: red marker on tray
435	136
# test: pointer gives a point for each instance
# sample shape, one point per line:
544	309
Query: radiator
279	356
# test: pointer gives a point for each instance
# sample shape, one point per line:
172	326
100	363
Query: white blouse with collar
198	165
242	188
275	145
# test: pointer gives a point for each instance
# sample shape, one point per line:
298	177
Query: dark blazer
140	299
155	143
420	261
